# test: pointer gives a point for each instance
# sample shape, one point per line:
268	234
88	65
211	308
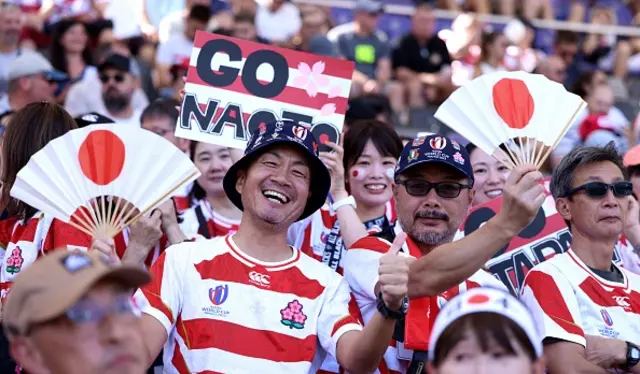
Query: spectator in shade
173	23
91	326
86	96
493	51
10	26
554	68
178	46
31	78
161	117
278	21
244	28
566	46
421	63
311	37
599	128
587	306
361	42
119	83
69	52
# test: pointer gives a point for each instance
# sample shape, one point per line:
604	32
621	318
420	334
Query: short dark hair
487	327
562	177
383	136
633	171
165	107
200	13
566	37
244	17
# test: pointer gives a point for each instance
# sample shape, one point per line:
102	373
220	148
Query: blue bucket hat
435	148
278	133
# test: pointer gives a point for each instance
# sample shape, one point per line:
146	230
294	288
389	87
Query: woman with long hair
211	213
485	330
361	190
493	51
69	52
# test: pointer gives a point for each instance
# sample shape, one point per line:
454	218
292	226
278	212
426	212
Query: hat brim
127	276
435	161
320	177
57	75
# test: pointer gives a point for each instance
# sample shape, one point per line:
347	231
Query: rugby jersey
217	224
569	301
227	312
361	271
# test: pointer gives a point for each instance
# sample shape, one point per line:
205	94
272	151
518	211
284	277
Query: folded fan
522	114
102	178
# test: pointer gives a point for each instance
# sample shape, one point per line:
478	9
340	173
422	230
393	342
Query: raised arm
451	263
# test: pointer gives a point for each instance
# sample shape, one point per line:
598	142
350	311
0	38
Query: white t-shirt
569	301
226	312
134	120
279	26
174	50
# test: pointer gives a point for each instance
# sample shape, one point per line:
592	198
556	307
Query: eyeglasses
118	78
598	190
85	312
420	188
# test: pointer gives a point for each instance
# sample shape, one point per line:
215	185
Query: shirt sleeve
398	56
164	55
361	268
553	304
162	298
295	234
334	319
65	235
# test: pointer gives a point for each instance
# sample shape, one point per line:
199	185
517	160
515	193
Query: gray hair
562	178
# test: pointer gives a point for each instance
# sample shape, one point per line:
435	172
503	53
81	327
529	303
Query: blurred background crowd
409	54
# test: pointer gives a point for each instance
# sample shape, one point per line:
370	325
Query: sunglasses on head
118	78
420	188
599	189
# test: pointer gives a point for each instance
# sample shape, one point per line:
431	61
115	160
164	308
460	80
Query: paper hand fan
102	178
526	114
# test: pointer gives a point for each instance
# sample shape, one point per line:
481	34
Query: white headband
488	300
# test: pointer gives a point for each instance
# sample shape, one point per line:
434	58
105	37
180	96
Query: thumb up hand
393	274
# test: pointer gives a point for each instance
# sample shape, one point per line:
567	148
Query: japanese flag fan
515	116
102	178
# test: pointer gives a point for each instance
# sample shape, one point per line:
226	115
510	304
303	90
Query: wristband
346	201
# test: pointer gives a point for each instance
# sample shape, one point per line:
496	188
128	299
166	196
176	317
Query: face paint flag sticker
234	86
515	116
101	178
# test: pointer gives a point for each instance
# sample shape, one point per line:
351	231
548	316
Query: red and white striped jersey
226	312
24	242
181	198
569	301
311	234
217	224
361	271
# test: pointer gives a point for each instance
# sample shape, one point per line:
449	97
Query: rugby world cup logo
219	294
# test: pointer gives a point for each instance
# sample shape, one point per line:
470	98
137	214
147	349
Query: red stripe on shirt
630	302
152	291
372	243
204	333
550	299
346	320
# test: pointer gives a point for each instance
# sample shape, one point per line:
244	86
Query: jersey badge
292	315
15	261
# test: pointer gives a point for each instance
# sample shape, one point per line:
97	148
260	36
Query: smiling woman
490	175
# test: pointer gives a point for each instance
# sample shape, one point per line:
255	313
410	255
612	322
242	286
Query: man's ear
562	206
242	176
26	355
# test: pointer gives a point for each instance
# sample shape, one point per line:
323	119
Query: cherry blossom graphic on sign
333	92
292	315
15	261
311	78
328	109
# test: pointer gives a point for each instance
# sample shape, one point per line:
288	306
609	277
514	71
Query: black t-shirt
428	58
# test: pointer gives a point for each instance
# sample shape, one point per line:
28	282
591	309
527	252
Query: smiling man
589	308
248	302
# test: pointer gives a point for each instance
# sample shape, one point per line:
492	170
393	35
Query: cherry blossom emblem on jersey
14	262
292	315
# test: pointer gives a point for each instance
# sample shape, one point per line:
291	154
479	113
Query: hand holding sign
522	198
333	161
393	274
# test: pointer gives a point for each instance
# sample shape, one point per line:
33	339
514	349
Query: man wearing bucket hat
248	302
433	193
492	330
71	312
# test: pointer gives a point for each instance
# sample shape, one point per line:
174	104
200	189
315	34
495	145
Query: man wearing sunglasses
588	307
433	194
71	312
119	82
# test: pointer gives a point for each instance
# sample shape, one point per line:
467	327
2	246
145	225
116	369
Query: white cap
485	300
30	63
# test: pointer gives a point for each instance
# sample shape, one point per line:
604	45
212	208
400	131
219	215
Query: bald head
554	68
601	99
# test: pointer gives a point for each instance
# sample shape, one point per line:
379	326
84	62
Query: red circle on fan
478	299
513	102
101	157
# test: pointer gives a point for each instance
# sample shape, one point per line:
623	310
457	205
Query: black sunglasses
119	78
420	188
599	189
